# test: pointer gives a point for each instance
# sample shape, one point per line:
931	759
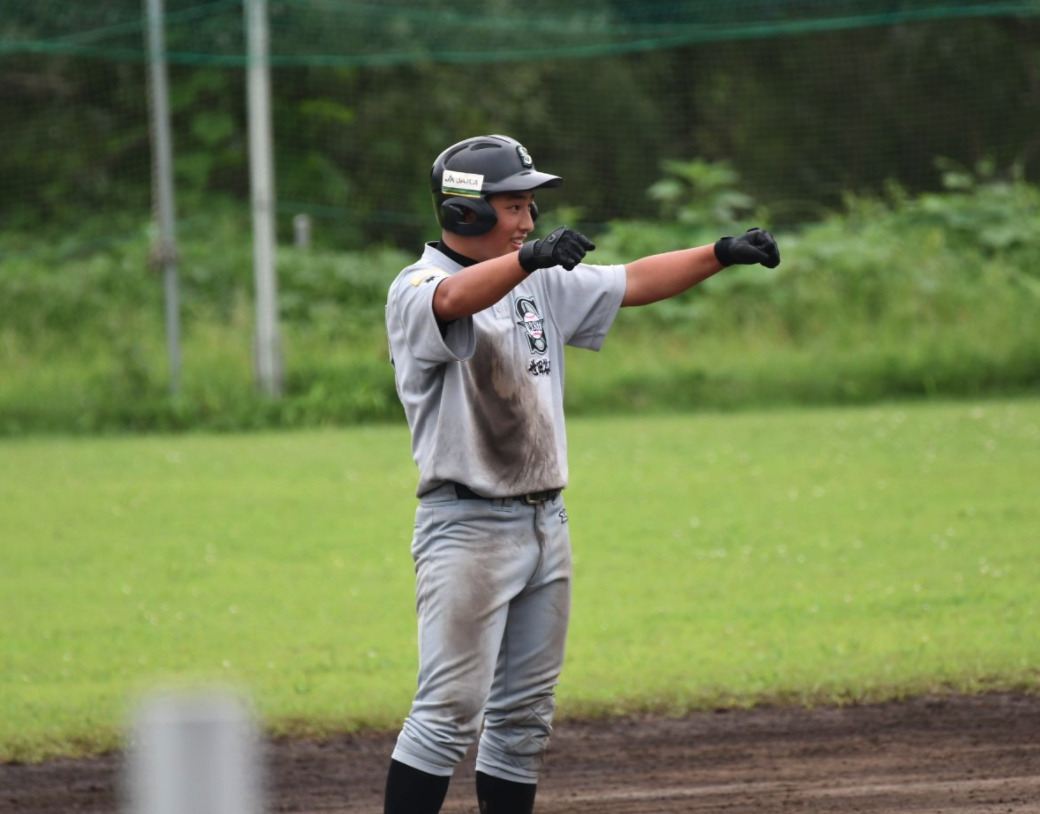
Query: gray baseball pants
493	589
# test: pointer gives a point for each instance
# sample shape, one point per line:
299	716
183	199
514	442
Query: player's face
509	233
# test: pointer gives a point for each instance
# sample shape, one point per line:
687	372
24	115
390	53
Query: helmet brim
523	181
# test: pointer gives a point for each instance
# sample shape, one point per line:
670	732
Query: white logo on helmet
467	184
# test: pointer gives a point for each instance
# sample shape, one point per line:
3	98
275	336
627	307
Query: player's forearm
474	288
661	276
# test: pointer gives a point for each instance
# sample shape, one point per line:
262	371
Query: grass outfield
808	556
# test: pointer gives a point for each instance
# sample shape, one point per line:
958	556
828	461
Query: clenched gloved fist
564	247
754	246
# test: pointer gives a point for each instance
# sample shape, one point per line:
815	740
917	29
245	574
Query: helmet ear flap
534	211
455	216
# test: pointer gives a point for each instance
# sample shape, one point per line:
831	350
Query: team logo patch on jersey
532	324
427	276
467	184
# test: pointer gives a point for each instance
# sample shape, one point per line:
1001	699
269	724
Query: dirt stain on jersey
515	429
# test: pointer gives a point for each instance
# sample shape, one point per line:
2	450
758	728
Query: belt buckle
536	498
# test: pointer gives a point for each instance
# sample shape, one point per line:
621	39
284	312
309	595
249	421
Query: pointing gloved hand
564	247
754	246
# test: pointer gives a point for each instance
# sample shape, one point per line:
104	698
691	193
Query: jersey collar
450	253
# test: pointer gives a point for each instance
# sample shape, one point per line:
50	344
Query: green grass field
808	556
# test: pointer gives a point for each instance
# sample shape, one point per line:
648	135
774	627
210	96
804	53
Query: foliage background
892	148
808	101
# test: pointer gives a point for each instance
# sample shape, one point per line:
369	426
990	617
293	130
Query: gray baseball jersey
496	426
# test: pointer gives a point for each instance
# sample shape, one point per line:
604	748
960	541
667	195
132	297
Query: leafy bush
893	297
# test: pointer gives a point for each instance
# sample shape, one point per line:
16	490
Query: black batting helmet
465	174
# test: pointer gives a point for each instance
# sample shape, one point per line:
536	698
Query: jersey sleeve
413	326
585	301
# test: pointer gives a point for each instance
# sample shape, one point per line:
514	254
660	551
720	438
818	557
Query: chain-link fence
806	100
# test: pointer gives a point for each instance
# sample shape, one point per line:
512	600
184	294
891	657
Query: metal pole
267	343
194	752
164	250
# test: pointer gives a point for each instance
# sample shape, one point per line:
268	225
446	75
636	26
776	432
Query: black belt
531	499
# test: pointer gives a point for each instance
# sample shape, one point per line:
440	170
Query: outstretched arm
661	276
480	286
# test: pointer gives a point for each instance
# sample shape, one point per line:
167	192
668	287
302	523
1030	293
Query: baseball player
477	329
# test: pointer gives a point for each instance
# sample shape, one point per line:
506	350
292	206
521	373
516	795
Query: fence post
164	250
261	173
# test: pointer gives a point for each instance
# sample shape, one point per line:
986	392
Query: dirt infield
977	754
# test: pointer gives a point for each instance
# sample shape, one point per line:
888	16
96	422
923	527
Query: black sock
497	796
410	791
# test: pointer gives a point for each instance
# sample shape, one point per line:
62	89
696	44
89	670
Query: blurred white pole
301	231
194	753
164	252
261	165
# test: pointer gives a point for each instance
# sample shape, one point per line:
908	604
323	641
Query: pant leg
472	558
522	701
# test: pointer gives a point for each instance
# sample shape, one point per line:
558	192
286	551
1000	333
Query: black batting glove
754	246
564	247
